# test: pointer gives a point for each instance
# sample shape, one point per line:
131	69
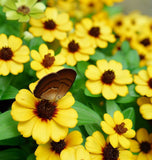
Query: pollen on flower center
120	129
73	46
23	9
48	60
94	31
119	23
49	24
45	109
145	42
6	53
58	146
110	153
108	77
145	147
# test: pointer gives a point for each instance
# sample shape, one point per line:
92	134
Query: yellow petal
36	31
108	93
134	146
66	118
118	117
82	154
144	90
67	154
70	60
143	75
87	23
100	43
66	102
43	50
36	22
109	120
149	71
95	87
74	138
4	68
106	128
146	111
128	123
26	128
57	132
113	139
20	113
48	36
59	60
3	40
41	132
114	65
51	13
93	73
142	156
139	81
130	133
142	135
125	155
124	142
121	90
15	68
62	19
36	56
14	43
81	57
59	35
36	66
26	99
143	100
102	65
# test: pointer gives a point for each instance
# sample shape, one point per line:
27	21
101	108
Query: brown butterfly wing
55	85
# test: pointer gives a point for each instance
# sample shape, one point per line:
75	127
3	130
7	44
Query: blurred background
144	6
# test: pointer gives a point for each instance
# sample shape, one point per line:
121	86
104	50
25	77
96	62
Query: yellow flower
145	109
42	119
75	49
51	26
102	150
142	144
108	78
65	149
98	32
118	129
12	55
111	2
45	61
143	81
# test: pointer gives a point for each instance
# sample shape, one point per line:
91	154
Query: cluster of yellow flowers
49	123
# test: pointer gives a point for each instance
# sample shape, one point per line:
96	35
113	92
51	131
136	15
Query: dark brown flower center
45	109
145	42
110	153
119	23
49	24
120	129
108	77
94	31
150	82
73	46
6	53
23	9
91	4
145	147
58	146
142	57
48	60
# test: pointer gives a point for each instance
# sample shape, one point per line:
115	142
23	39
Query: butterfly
55	85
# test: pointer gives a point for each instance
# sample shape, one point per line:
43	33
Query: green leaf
125	47
9	93
132	91
86	115
87	93
98	55
12	154
111	107
31	157
127	99
132	59
82	66
129	113
90	128
8	127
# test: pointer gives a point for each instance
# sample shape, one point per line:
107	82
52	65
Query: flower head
98	32
65	149
108	78
43	119
143	81
51	26
100	149
12	55
118	129
75	49
142	144
45	61
22	10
